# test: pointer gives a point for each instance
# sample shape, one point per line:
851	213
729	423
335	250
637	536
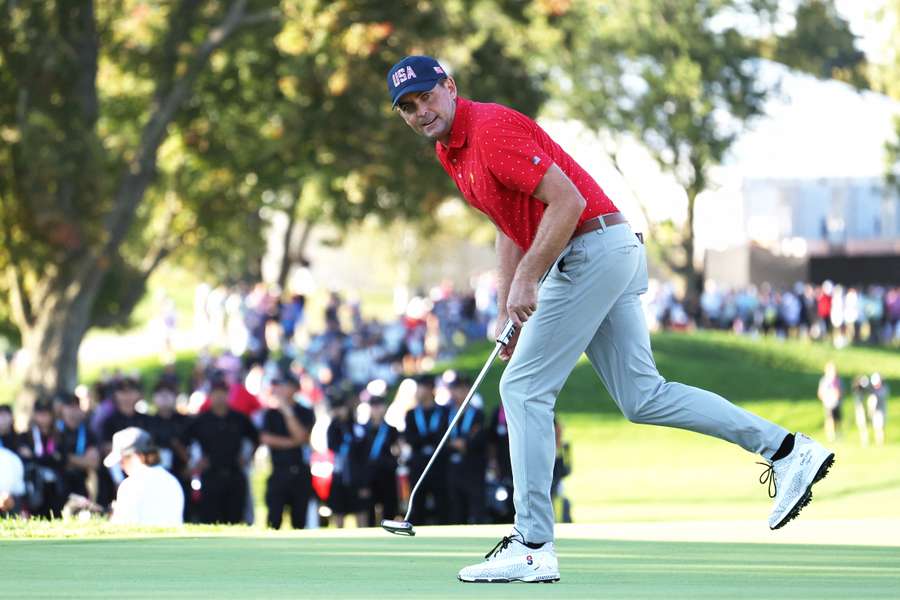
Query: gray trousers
590	303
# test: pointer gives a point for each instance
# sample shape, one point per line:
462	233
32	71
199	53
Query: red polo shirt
497	156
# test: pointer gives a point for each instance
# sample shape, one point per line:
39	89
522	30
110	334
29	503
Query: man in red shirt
555	224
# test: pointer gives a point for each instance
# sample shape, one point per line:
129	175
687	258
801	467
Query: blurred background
200	191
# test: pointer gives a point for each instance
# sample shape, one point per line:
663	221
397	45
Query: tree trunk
285	268
693	278
57	313
52	344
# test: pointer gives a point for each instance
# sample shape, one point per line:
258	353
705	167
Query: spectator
126	395
78	445
562	468
168	429
380	487
425	425
860	394
499	475
8	435
42	455
876	405
467	468
12	482
830	394
347	439
219	435
150	495
285	430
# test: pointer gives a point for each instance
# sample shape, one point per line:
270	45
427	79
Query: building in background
805	195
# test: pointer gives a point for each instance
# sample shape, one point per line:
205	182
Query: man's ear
450	84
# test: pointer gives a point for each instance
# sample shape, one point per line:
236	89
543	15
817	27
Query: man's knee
637	403
512	388
518	389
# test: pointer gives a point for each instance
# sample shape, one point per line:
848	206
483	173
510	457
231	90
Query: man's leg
572	302
275	500
300	492
620	352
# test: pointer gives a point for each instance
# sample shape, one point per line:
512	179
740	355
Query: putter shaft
502	340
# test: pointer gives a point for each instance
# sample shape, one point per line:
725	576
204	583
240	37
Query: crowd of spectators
843	314
870	395
344	420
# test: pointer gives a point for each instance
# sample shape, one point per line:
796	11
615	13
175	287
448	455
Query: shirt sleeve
511	153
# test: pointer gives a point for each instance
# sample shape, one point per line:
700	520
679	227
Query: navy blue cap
413	74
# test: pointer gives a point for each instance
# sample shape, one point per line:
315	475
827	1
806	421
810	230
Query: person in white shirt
12	480
150	495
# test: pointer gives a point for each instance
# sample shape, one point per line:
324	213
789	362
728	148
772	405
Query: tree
674	76
822	44
74	173
138	130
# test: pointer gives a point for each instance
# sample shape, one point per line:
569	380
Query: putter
404	527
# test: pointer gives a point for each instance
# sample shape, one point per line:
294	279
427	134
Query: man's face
458	393
377	410
44	419
72	415
126	400
425	394
6	421
218	398
130	462
164	401
283	391
430	113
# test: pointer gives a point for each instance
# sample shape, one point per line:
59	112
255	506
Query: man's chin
434	133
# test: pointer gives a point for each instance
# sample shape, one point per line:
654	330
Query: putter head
398	527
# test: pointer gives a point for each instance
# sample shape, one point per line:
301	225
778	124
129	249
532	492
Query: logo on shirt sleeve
535	160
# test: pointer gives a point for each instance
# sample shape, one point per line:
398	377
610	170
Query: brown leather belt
601	222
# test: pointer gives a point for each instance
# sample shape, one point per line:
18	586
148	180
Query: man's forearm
297	432
508	257
556	228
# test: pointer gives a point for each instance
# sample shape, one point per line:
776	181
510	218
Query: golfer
553	218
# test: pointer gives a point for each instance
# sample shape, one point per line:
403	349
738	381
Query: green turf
425	567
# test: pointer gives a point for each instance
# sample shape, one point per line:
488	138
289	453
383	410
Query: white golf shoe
791	478
511	560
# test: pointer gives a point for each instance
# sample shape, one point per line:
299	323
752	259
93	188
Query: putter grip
508	331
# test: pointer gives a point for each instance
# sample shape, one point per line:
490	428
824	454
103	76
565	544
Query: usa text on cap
413	74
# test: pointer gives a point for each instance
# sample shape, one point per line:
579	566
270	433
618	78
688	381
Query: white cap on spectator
128	441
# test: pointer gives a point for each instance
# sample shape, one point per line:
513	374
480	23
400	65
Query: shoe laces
768	476
502	545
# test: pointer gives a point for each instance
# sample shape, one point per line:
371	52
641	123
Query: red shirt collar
460	123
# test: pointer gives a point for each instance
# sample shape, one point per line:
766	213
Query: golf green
337	565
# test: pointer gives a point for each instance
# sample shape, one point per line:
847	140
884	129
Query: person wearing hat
219	434
379	492
556	225
286	426
40	451
150	495
425	425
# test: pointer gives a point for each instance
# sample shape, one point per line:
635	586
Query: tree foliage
672	76
135	131
822	44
